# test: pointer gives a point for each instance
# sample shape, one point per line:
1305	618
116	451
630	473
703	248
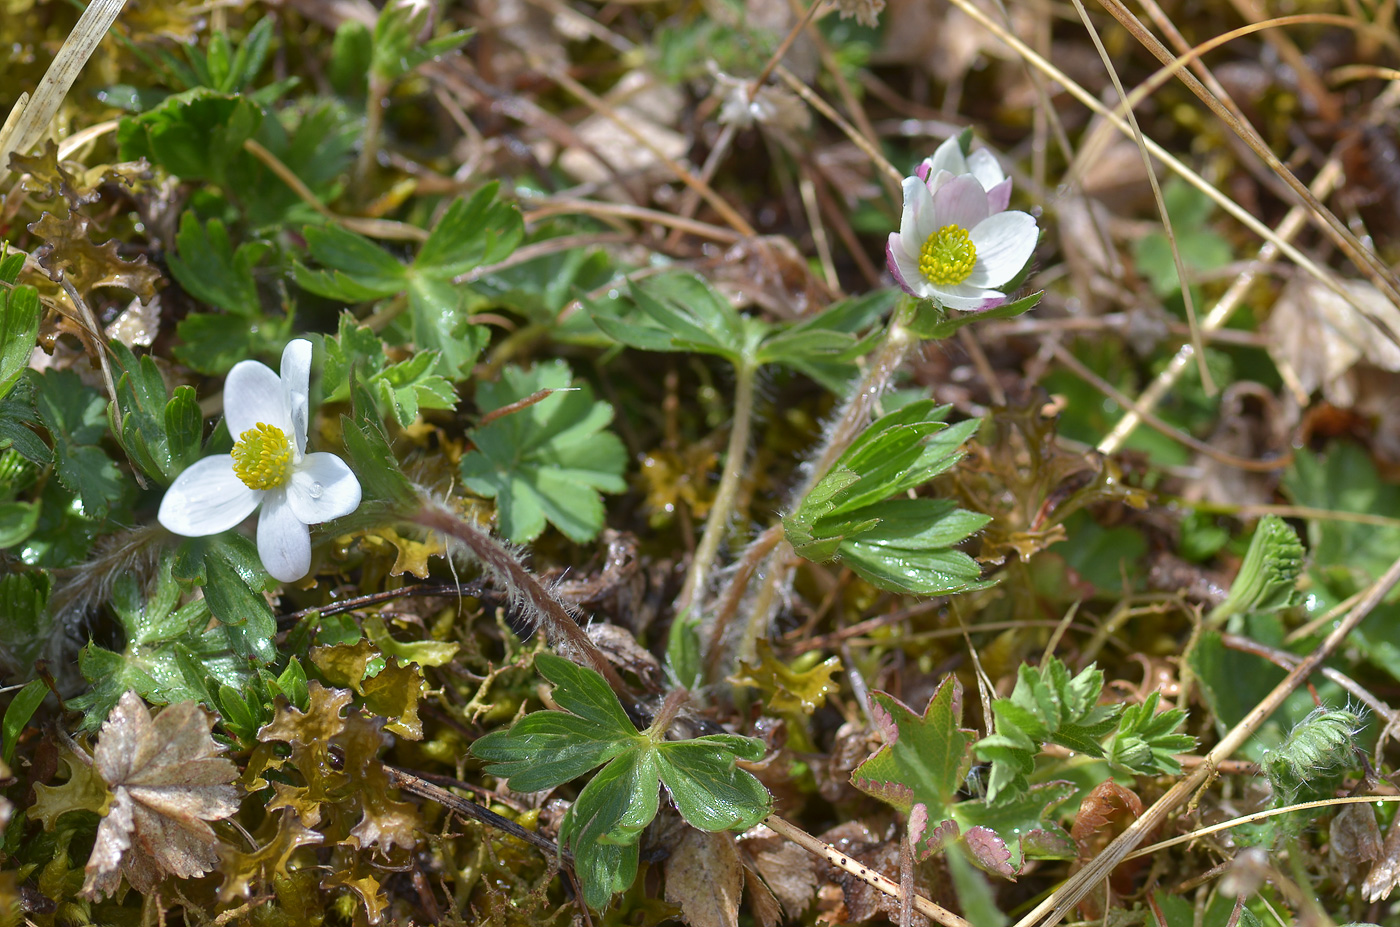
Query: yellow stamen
262	457
948	256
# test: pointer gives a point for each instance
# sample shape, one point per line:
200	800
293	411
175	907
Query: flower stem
536	602
718	519
852	420
374	127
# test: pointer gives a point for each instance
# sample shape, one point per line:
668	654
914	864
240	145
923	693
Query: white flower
269	466
981	164
955	244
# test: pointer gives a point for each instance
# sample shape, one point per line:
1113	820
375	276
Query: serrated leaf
1025	824
545	749
1147	740
924	760
207	266
1048	705
74	415
19	320
547	462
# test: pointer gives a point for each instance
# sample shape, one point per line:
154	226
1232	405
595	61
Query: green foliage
221	68
547	461
168	652
18	713
1049	705
1147	740
1346	555
162	436
396	48
212	271
1268	578
398	389
931	321
546	749
857	513
199	135
73	414
26	627
1311	762
681	312
921	770
1201	248
472	232
19	320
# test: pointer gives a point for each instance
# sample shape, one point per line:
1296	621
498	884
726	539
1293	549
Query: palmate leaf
548	461
922	767
400	390
546	749
472	232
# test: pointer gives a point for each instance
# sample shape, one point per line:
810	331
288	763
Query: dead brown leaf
167	783
789	871
68	250
704	877
1320	336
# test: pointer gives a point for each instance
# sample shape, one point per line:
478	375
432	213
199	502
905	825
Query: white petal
905	270
918	208
252	394
999	196
1004	244
968	298
983	165
296	380
961	201
284	542
946	157
207	498
322	487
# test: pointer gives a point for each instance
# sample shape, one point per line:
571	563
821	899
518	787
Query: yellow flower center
262	457
948	256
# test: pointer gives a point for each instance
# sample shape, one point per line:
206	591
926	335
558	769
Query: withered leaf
367	887
242	870
68	250
167	783
789	871
49	177
1355	840
704	877
786	689
392	693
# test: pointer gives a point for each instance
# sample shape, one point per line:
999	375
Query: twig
416	785
806	841
475	589
1053	909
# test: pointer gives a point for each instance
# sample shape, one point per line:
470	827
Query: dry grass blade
1325	276
1207	382
1367	261
1053	909
22	131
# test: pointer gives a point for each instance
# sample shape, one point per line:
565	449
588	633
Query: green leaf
210	270
239	606
424	653
397	49
1024	825
16	414
19	320
470	233
26	627
548	461
400	389
374	463
17	715
1048	705
856	513
18	520
1147	740
546	749
74	415
924	760
680	312
932	322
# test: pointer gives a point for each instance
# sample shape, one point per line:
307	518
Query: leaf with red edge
923	762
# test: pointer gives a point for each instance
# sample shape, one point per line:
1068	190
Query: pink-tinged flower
269	467
953	247
981	164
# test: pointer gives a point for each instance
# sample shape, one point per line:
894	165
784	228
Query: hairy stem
537	603
718	519
855	415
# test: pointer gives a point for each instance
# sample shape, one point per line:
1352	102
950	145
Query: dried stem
935	912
